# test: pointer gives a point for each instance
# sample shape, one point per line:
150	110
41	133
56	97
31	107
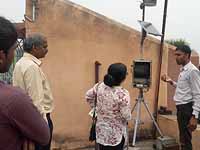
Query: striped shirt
188	87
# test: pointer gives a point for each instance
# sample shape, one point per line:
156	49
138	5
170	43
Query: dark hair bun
108	80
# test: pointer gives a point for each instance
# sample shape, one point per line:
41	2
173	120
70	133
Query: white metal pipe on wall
33	12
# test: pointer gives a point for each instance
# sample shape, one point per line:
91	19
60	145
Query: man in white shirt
187	95
29	76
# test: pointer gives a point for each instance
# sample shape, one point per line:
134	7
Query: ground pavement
142	145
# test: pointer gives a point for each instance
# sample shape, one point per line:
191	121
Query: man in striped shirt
187	95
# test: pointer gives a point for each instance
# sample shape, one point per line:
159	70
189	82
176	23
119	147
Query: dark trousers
48	146
184	114
117	147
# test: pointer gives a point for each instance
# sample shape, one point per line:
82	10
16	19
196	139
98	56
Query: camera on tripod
141	77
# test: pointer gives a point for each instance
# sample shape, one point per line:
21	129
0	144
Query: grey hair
34	40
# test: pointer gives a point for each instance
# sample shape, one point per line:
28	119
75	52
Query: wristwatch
195	116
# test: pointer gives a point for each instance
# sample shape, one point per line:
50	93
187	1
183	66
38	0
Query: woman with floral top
113	108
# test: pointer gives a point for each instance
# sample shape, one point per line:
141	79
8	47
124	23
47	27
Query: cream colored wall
77	38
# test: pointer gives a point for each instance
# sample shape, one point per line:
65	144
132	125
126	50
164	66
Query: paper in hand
92	112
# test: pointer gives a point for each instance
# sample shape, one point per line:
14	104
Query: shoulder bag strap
95	102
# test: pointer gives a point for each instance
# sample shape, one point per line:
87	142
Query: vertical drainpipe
33	9
97	65
160	65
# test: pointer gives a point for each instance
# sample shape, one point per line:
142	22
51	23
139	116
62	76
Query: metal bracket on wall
27	18
34	11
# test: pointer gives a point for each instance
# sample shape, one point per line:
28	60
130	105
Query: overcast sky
183	18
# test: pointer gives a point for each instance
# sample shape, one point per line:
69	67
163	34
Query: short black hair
8	34
36	40
184	48
115	75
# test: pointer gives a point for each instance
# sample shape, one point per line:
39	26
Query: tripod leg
136	122
156	125
133	107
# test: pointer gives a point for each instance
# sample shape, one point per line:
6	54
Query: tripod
137	105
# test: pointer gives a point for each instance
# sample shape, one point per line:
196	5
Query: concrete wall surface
77	37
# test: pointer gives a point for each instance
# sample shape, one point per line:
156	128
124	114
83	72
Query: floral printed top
113	111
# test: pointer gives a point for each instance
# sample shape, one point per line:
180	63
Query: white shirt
188	87
29	76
